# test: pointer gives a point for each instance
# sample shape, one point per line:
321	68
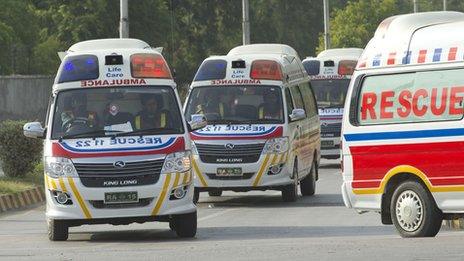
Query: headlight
194	148
176	162
277	145
59	167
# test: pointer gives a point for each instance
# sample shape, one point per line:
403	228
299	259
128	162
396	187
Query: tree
354	25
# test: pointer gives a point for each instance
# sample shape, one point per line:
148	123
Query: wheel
185	224
414	212
57	230
290	192
215	193
308	184
196	195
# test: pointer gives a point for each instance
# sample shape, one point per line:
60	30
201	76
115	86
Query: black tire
58	230
430	217
308	184
290	192
185	224
215	193
196	195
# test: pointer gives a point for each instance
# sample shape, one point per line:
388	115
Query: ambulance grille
331	130
107	175
246	153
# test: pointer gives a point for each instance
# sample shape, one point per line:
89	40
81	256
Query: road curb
456	224
21	199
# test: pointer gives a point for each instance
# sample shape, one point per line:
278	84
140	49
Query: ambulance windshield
99	112
330	93
237	104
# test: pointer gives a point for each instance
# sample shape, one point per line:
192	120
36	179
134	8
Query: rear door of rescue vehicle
117	147
263	130
403	130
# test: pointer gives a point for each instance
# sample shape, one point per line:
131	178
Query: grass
10	185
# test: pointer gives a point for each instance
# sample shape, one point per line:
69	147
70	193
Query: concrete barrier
24	97
22	199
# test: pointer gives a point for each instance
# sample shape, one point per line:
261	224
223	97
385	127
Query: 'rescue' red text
406	103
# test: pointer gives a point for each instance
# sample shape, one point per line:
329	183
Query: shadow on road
274	201
233	233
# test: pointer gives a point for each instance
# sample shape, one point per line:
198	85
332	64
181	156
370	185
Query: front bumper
255	175
87	203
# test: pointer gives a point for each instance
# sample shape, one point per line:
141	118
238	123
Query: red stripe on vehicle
422	56
441	162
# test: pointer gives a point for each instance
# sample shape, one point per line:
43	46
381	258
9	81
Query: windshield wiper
84	134
148	131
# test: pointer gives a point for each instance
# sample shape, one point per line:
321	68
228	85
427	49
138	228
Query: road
237	226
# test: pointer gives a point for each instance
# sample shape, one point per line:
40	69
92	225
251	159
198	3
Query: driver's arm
66	120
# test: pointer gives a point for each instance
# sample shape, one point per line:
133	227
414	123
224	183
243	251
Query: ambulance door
296	128
311	130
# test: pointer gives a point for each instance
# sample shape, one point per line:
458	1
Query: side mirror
34	130
198	122
297	114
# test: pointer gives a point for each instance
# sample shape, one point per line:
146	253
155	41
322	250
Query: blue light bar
312	67
78	68
211	70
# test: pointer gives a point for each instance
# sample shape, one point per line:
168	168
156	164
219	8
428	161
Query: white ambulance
403	135
330	73
263	130
117	147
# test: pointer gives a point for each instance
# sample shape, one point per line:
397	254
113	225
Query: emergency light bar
266	70
312	67
77	68
149	66
211	70
346	67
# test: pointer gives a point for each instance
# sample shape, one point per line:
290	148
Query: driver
151	115
78	114
270	109
212	105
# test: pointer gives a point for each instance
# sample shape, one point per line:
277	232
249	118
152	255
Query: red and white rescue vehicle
403	135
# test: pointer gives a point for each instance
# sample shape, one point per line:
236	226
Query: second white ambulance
330	73
263	130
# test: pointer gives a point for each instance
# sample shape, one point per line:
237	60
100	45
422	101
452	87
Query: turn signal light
149	66
346	67
266	70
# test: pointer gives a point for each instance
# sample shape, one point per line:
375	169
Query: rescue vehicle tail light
312	67
149	66
211	70
346	67
266	70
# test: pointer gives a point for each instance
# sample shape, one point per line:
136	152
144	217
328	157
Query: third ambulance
117	147
403	135
330	73
263	130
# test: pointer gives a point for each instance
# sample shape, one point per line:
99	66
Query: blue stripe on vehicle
404	135
376	61
407	58
437	55
161	146
236	134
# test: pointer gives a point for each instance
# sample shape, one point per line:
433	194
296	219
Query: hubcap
409	210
